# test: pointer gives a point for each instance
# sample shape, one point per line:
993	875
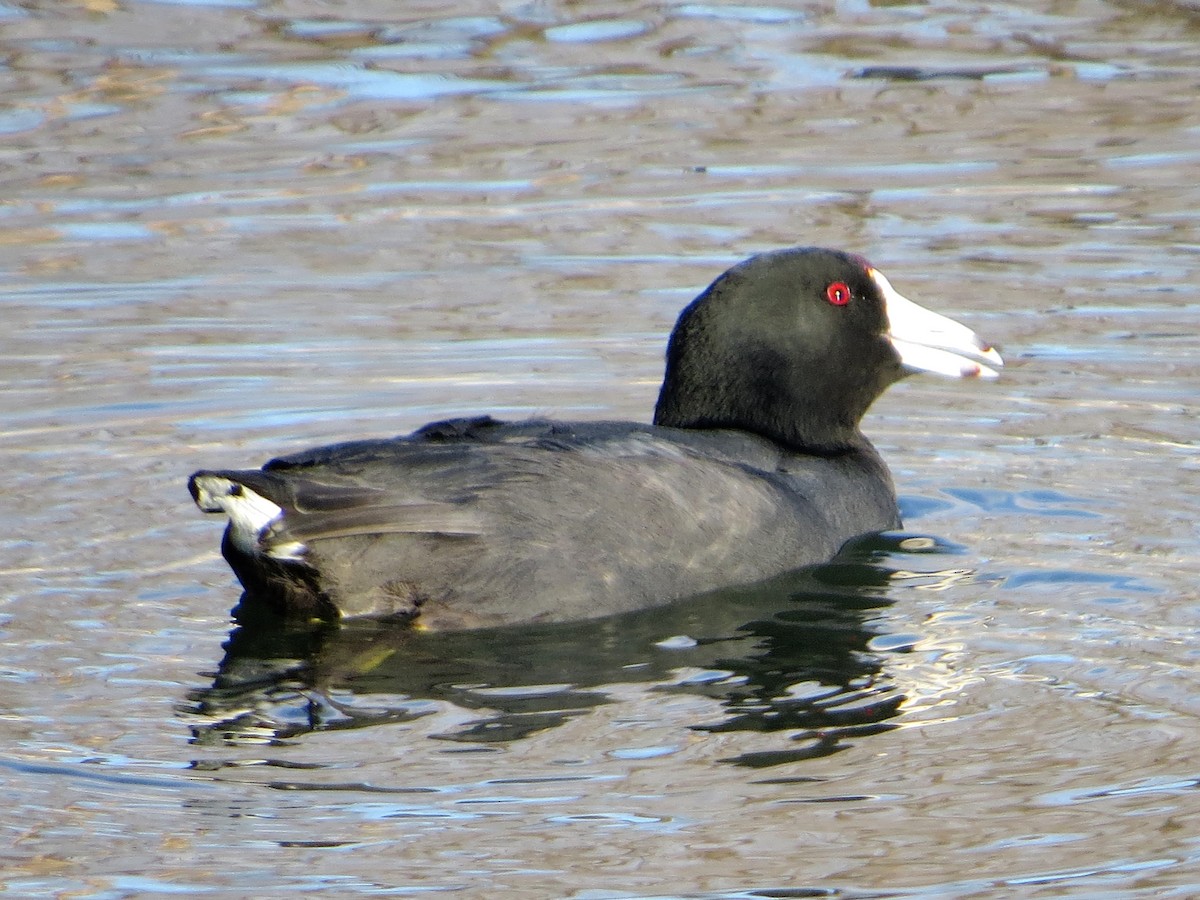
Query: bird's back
472	522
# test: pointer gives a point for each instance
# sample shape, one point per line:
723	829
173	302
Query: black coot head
796	344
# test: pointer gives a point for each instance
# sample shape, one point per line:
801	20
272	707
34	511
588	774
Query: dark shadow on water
793	655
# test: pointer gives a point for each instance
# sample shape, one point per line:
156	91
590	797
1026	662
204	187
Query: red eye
838	293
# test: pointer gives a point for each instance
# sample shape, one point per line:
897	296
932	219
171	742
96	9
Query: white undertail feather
251	515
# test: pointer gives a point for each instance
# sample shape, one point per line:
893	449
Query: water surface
233	229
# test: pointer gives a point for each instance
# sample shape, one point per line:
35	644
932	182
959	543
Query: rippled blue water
234	229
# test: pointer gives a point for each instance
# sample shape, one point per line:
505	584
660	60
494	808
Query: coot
755	465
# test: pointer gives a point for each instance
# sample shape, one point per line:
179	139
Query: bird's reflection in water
792	655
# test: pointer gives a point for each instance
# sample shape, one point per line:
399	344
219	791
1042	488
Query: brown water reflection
790	655
232	229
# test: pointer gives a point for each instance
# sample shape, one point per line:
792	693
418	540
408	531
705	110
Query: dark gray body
473	523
